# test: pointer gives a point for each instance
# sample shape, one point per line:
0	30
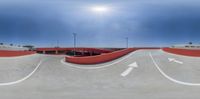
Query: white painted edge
104	66
22	79
170	78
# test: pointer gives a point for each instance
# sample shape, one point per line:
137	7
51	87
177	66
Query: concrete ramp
15	68
56	80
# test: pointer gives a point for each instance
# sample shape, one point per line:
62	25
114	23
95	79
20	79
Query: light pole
74	35
126	42
57	43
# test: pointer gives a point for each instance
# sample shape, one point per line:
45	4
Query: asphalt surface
154	77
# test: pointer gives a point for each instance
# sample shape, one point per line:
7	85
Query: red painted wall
4	53
103	57
99	58
186	52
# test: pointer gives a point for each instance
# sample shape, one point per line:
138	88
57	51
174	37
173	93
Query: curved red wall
4	53
186	52
99	58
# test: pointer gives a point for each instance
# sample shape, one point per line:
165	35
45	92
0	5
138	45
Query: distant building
187	46
30	47
12	47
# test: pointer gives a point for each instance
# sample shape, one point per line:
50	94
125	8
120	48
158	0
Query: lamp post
57	45
74	35
126	42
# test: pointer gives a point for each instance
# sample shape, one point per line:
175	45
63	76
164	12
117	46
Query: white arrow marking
127	71
174	60
134	65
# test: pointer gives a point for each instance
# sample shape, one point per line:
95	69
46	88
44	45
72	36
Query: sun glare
99	9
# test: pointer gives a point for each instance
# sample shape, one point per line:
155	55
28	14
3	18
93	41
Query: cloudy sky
144	22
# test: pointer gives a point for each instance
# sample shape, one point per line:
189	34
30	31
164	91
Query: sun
99	9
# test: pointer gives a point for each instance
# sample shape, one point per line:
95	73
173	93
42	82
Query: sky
147	23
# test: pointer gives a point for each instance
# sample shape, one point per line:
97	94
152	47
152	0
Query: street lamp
126	42
74	35
57	44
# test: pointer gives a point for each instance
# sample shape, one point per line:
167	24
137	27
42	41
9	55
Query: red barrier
99	58
5	53
186	52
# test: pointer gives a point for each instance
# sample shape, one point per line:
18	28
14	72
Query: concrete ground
142	74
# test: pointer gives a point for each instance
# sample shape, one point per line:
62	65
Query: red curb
5	53
185	52
99	58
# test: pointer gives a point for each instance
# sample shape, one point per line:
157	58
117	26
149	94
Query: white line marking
131	67
104	66
22	79
174	60
169	78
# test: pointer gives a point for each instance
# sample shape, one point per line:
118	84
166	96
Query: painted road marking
103	66
131	67
170	78
174	60
22	79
